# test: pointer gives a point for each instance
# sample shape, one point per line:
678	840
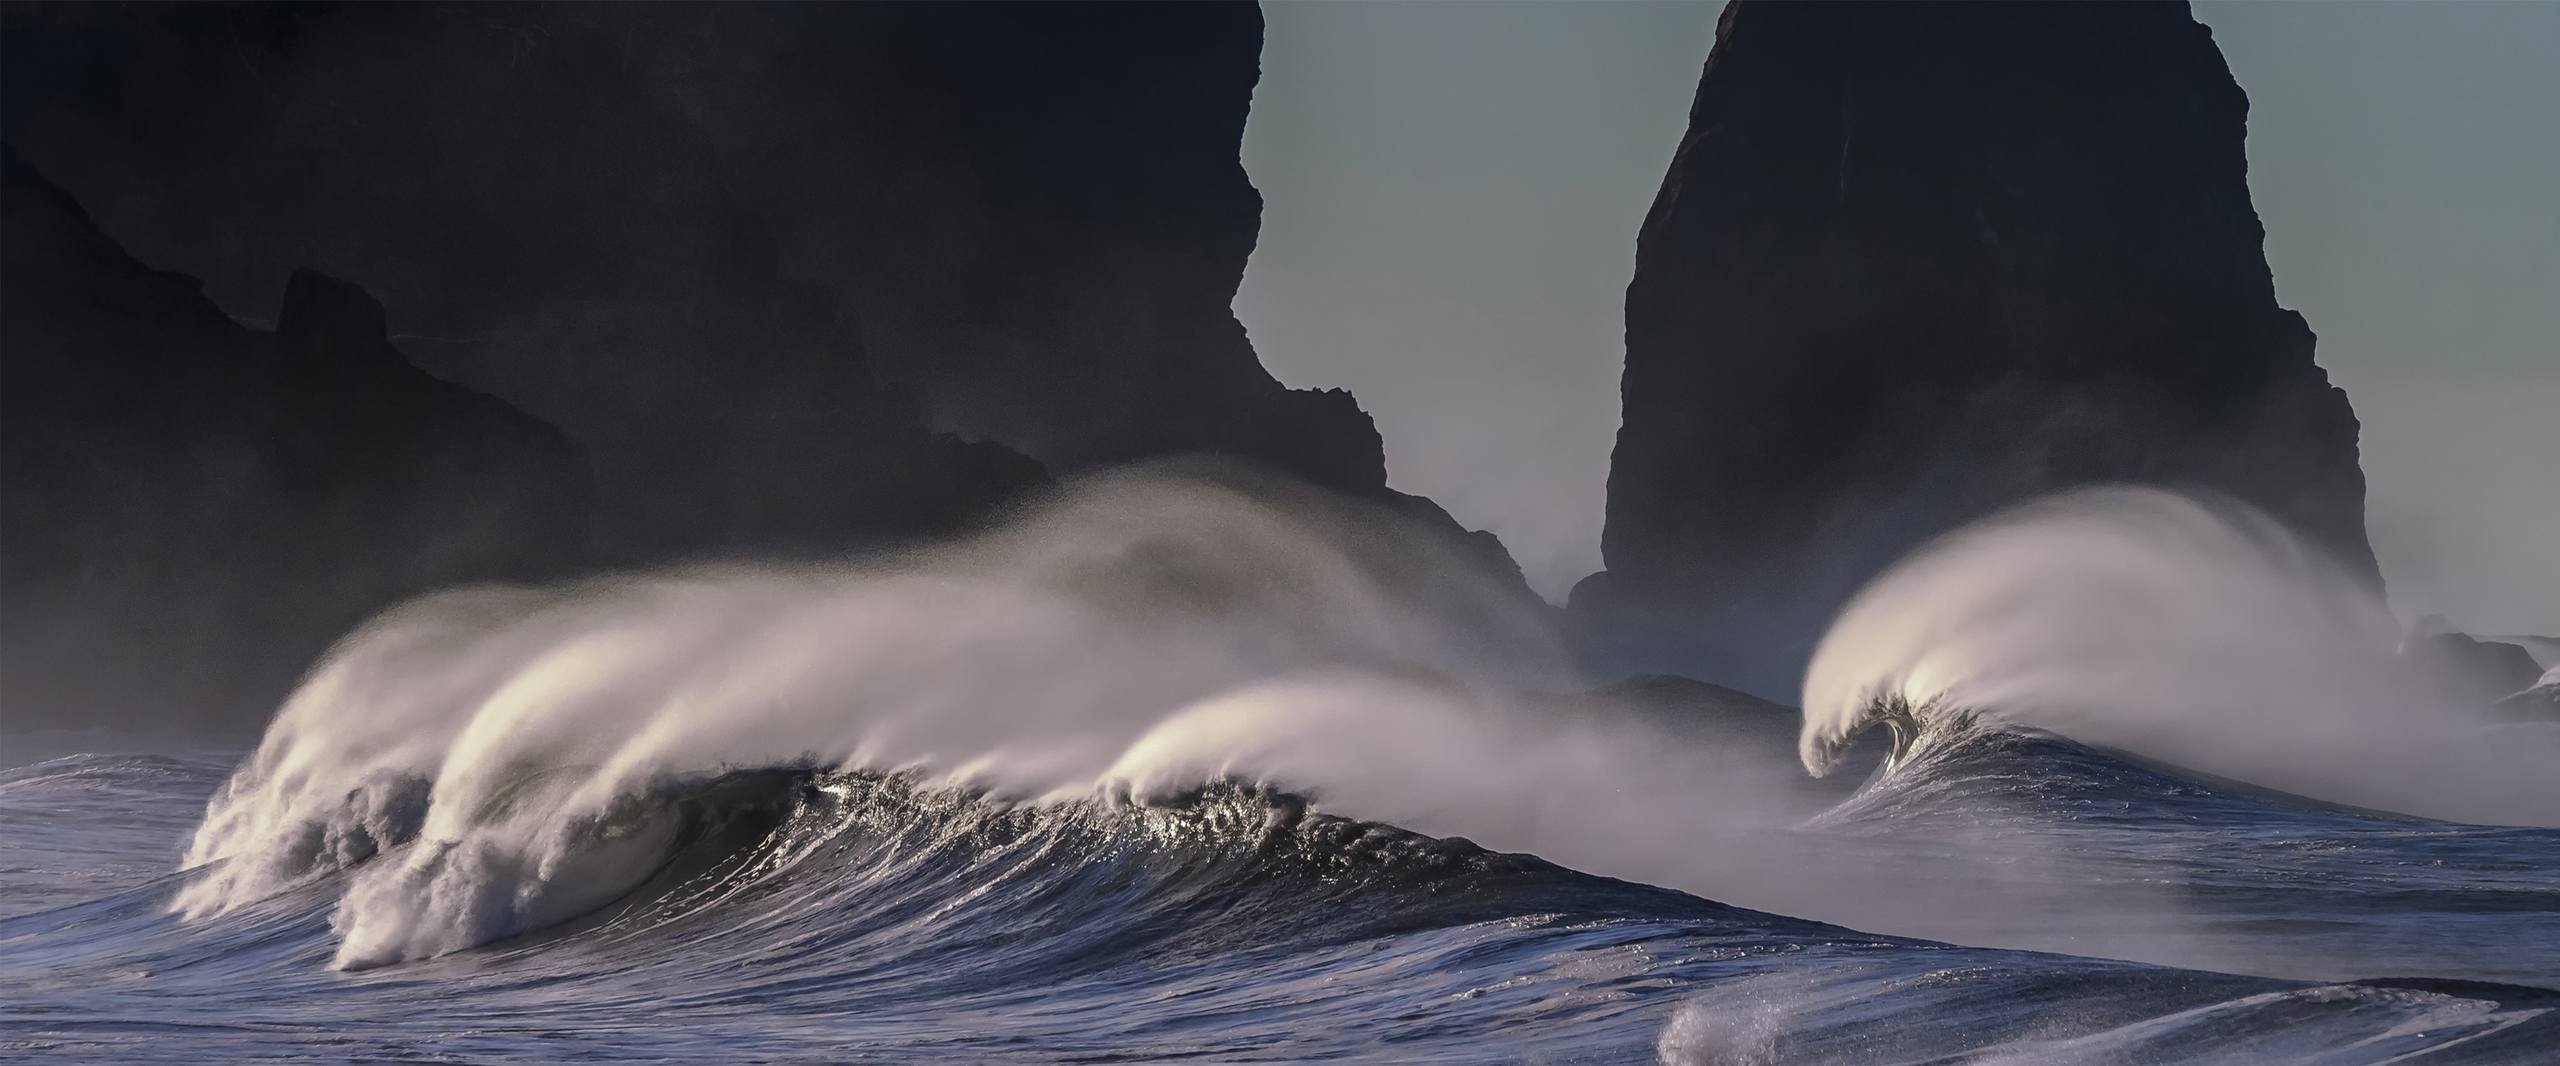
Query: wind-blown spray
1141	637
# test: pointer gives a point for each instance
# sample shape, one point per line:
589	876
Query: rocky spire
1913	262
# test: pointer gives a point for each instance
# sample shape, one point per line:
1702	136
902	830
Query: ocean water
1173	772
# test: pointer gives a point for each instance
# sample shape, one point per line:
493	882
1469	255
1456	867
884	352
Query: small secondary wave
2191	630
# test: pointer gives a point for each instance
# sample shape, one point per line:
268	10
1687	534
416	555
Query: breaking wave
1142	637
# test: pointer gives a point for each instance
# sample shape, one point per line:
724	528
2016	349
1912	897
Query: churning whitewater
1181	765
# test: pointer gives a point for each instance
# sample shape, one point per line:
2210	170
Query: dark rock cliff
190	510
1915	261
801	278
746	252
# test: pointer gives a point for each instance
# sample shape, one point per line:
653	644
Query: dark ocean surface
794	914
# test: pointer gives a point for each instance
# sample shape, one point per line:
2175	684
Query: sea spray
1143	635
1025	661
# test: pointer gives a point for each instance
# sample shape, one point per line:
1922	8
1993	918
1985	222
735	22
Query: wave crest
1914	727
509	731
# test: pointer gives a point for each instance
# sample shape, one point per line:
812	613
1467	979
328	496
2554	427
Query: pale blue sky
1453	190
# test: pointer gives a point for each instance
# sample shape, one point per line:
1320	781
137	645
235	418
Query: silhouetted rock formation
751	254
191	510
1912	262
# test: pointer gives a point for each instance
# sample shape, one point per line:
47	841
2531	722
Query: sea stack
1913	262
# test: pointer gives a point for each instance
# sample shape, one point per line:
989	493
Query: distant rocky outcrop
2545	650
2464	671
2541	701
756	256
1913	262
191	510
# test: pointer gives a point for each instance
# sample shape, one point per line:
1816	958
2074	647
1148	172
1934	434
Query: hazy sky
1453	191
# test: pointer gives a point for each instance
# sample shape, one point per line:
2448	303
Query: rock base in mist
2464	671
1714	715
